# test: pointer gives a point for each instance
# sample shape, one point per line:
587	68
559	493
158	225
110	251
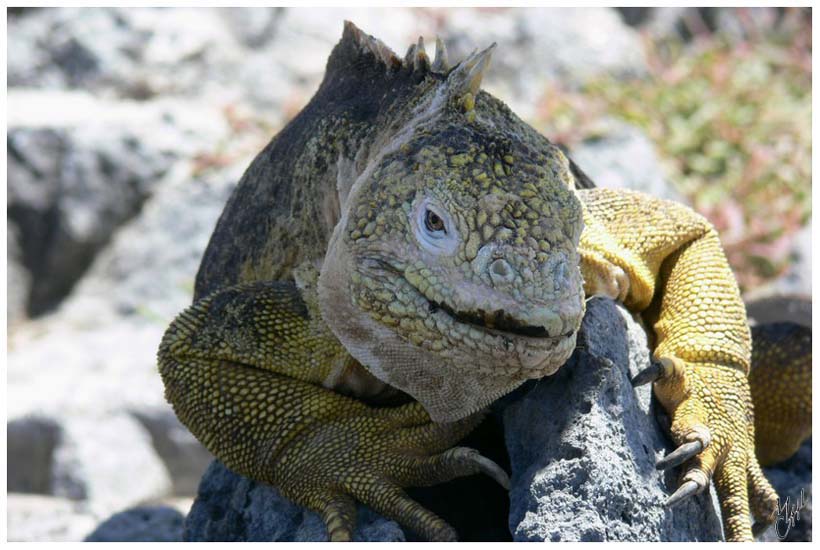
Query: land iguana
406	251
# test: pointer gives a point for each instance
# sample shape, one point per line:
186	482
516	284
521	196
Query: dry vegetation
731	117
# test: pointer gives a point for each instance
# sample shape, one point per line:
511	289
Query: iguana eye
433	223
435	230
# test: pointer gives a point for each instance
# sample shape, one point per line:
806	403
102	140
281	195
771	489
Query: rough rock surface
792	481
68	191
232	508
582	445
140	524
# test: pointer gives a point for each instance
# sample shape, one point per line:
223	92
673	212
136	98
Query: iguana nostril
501	271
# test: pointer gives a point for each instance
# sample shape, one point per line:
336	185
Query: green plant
732	120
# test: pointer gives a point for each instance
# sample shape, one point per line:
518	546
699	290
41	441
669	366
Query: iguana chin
405	252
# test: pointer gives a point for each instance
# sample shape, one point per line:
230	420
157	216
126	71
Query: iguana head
453	274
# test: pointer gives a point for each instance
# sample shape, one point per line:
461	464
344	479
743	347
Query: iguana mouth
493	323
498	320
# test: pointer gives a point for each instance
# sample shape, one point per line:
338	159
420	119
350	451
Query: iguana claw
652	373
680	455
488	467
687	489
710	407
370	455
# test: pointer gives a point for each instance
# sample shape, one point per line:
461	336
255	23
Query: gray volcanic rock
623	157
792	481
583	444
140	524
32	441
233	508
68	190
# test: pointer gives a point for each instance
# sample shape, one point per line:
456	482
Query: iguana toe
369	455
339	515
652	373
686	489
680	455
454	463
712	424
391	501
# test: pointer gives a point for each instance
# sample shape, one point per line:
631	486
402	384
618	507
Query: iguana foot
369	457
712	423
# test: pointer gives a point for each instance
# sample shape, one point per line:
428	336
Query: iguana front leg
243	369
662	259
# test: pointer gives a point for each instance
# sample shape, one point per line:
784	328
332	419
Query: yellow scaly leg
242	367
665	261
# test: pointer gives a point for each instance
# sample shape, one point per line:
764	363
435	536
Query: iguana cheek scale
405	252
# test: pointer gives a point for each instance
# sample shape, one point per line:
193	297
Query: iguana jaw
451	367
513	339
497	322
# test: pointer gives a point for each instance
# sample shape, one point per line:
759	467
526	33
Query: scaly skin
405	252
780	381
241	369
705	356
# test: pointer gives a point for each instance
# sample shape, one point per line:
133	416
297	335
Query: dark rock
232	508
583	445
68	190
184	456
31	444
634	16
792	481
18	280
141	524
778	308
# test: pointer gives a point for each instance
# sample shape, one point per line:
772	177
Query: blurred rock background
128	128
